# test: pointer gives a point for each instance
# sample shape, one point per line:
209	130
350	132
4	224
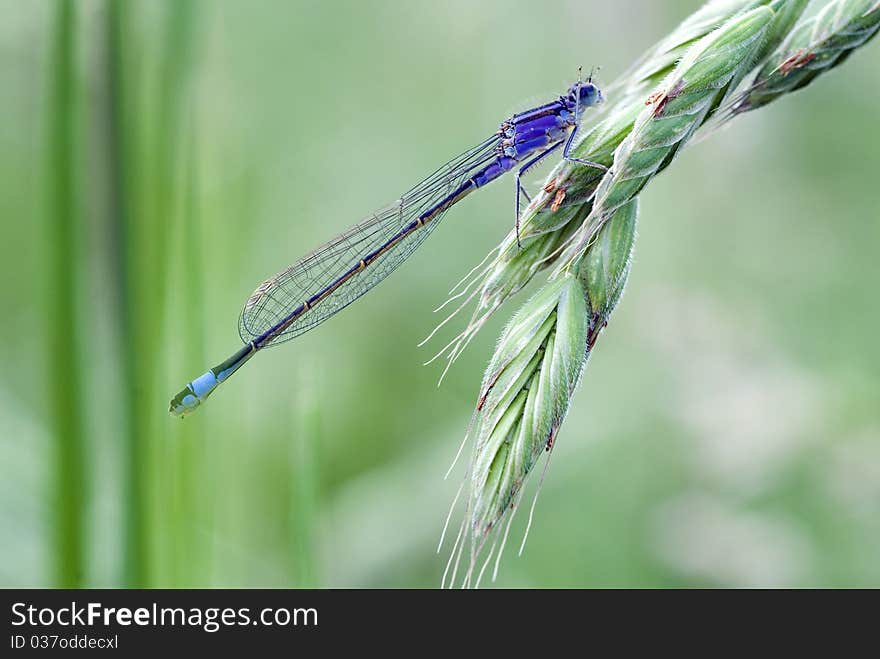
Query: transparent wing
273	302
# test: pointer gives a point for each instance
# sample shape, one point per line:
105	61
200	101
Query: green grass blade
65	377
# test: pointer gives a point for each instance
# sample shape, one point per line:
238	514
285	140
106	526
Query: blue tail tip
184	402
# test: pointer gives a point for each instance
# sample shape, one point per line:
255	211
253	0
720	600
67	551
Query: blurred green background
158	159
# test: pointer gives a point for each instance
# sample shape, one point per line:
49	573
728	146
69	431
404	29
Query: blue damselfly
334	275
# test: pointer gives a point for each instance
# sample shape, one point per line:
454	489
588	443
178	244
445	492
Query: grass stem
65	360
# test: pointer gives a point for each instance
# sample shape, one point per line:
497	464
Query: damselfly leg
568	145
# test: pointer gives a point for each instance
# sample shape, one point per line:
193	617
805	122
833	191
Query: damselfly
334	275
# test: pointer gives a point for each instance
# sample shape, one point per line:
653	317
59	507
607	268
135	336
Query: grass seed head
584	221
813	47
535	370
525	395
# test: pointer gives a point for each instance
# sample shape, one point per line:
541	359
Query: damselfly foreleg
567	150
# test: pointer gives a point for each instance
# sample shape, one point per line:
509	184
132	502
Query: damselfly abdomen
334	275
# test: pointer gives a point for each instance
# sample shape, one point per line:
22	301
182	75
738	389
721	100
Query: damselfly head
585	94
